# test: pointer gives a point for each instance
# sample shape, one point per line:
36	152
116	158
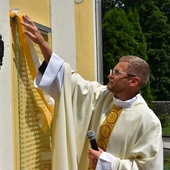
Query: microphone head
91	134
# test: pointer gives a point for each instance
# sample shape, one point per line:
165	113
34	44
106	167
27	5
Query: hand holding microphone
95	152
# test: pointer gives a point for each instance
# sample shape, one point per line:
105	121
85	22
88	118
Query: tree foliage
150	31
122	35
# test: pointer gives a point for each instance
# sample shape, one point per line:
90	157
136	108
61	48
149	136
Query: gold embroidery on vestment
106	129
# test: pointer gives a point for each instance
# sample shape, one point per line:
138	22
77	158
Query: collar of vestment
125	104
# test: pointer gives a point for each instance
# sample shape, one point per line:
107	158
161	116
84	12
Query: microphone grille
91	134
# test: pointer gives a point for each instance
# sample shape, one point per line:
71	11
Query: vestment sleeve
105	161
50	76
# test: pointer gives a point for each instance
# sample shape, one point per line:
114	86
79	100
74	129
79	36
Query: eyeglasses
114	72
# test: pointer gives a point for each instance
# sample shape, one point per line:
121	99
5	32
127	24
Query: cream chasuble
135	143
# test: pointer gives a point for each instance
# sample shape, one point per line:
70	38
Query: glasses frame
114	72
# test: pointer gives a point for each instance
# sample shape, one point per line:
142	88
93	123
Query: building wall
38	10
85	39
6	129
73	38
73	26
63	30
73	35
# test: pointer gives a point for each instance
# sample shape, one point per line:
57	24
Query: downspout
99	49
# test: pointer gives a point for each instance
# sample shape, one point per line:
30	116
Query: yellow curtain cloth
23	41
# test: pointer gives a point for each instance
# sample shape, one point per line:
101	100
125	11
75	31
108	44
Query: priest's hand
31	30
34	34
93	155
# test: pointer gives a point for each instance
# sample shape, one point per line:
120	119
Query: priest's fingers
94	153
31	30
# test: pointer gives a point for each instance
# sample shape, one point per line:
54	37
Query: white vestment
135	142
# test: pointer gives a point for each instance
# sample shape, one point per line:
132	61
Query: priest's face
119	79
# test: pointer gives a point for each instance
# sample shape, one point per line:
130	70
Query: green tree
116	38
164	7
157	32
107	5
122	35
154	19
141	47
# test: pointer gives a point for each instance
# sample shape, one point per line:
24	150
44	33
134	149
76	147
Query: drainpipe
99	49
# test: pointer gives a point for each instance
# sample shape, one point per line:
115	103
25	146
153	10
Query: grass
167	164
165	121
166	130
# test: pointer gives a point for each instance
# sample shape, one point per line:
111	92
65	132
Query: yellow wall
39	10
85	39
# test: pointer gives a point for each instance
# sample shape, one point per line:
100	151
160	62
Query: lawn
166	131
167	164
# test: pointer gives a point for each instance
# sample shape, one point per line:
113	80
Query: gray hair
137	67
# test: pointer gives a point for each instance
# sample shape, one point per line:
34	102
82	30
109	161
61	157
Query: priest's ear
134	81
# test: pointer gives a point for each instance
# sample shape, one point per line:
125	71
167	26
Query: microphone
91	137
